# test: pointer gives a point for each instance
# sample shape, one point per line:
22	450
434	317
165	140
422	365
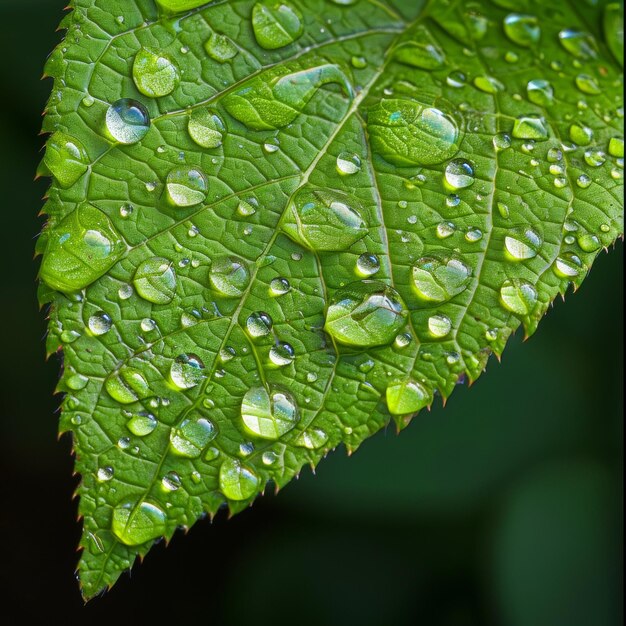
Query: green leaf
274	227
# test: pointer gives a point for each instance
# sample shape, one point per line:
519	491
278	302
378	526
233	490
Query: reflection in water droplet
170	482
269	414
191	436
276	24
438	278
154	73
595	158
311	439
523	243
407	396
237	481
281	354
155	280
365	313
405	133
324	220
128	121
105	474
186	186
99	323
186	371
230	276
518	296
279	286
136	523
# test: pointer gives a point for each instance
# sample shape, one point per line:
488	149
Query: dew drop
191	436
269	414
136	523
568	265
206	128
407	396
348	163
105	474
99	323
279	286
540	92
311	439
186	186
186	371
154	73
127	385
128	121
141	424
230	276
523	243
422	52
237	481
459	174
66	158
522	29
155	280
170	482
580	44
259	324
588	84
439	326
580	134
367	265
220	48
530	127
518	296
276	24
282	354
589	242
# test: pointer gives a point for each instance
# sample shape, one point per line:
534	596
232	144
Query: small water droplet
580	44
595	158
580	134
568	265
237	481
141	424
206	128
269	414
105	474
259	324
501	141
367	265
281	354
348	163
311	439
186	371
170	482
220	48
99	323
66	158
530	127
540	92
522	29
127	385
407	396
588	84
279	286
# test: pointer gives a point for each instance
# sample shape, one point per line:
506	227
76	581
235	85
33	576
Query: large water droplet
230	276
440	277
80	249
237	481
616	147
99	323
406	133
321	219
521	29
128	121
136	523
186	186
578	43
281	354
269	414
276	24
141	424
422	52
367	264
259	324
154	73
439	326
275	98
523	243
220	48
530	127
588	84
66	158
155	280
190	437
518	296
127	385
540	92
365	313
459	174
568	265
348	163
186	371
580	134
407	396
206	128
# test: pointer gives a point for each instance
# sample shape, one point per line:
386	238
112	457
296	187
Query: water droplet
276	97
186	186
311	439
365	313
568	265
127	385
237	481
147	325
311	377
358	63
589	242
348	163
269	458
422	52
521	29
141	424
439	326
136	523
405	133
580	135
407	396
518	296
595	158
272	145
206	128
170	482
453	200
540	92
80	249
276	25
580	44
69	336
438	278
456	79
530	127
324	220
269	414
503	210
281	354
128	121
279	286
523	243
99	324
186	371
248	207
220	48
76	382
259	324
367	265
501	141
154	73
105	474
583	181
616	147
511	57
191	436
488	84
445	229
66	158
588	84
459	174
473	235
155	280
230	276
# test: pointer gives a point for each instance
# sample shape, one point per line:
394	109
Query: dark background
504	509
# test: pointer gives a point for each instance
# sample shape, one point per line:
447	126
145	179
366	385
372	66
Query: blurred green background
503	509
